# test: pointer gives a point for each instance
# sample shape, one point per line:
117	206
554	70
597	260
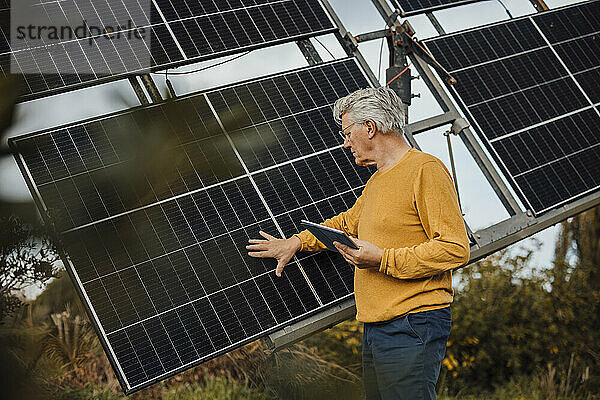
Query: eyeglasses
344	135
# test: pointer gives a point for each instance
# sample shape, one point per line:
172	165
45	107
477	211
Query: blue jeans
402	357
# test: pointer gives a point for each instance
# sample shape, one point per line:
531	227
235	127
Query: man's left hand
367	255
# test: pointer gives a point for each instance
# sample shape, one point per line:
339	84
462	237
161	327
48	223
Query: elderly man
410	235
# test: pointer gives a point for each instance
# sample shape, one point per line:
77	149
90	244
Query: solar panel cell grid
580	54
528	70
590	82
202	161
412	7
569	23
531	87
486	44
528	107
160	255
174	33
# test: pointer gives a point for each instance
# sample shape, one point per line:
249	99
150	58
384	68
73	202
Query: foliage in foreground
66	353
511	319
341	344
504	328
214	388
27	257
519	332
518	388
229	389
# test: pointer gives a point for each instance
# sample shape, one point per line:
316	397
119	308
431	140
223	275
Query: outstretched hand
367	255
271	247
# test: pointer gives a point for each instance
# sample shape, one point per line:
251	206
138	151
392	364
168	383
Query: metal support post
171	94
151	88
539	5
309	52
432	122
365	37
397	75
436	24
139	92
523	225
349	43
491	174
318	322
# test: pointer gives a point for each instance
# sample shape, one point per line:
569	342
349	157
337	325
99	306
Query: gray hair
381	105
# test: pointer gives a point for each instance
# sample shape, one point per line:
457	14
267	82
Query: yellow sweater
411	211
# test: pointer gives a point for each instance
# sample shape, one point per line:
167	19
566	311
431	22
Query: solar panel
412	7
170	33
159	255
531	87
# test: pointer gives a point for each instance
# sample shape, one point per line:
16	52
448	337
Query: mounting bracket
309	52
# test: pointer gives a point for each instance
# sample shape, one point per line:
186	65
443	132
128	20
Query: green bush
507	325
502	323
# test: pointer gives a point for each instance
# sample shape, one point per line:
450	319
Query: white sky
480	204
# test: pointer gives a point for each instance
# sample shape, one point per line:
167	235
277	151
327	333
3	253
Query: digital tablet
328	235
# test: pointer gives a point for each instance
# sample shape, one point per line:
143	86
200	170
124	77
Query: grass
221	388
218	388
522	388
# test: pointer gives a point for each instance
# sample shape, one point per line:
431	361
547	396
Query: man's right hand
271	247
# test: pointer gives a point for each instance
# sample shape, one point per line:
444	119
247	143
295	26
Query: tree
500	322
576	284
513	320
27	257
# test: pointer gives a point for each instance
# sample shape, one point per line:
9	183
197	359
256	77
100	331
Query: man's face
357	140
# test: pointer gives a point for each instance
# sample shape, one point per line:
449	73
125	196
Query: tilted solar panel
531	86
412	7
156	246
64	45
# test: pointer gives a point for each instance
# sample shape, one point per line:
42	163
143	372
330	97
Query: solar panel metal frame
120	76
75	278
482	135
407	12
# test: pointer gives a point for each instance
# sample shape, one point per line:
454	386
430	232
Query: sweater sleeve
346	221
447	246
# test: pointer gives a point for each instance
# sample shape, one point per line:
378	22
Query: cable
204	68
401	72
169	85
505	9
451	155
379	64
325	47
380	54
167	81
429	55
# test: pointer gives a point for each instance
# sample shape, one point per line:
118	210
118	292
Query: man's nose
347	144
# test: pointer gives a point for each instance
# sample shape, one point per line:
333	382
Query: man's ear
371	128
